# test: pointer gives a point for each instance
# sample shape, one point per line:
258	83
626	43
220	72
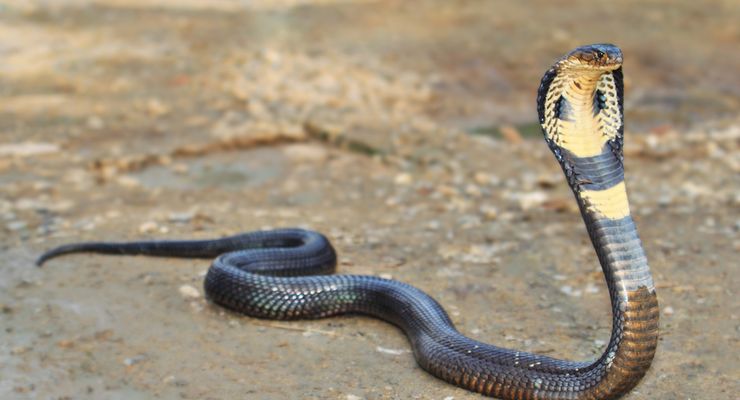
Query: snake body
283	274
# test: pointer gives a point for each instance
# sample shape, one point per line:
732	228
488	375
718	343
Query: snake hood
579	103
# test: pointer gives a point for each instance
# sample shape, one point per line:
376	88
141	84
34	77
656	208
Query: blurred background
405	131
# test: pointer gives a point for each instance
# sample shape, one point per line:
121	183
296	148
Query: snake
286	274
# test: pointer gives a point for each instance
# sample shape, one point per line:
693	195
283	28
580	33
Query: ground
405	131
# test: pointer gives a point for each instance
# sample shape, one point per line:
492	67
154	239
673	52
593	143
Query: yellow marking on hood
582	135
578	137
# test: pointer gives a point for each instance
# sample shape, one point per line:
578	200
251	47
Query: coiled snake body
579	102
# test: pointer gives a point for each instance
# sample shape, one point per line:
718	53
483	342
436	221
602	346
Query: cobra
283	274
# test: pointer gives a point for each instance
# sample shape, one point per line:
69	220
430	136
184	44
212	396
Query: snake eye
599	54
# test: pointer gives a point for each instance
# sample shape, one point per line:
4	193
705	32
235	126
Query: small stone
134	360
148	227
18	350
446	190
28	149
390	261
392	201
403	179
433	225
95	123
179	168
570	291
560	204
306	152
156	108
172	380
529	200
127	181
181	218
482	178
353	397
694	190
489	212
549	181
668	310
395	352
189	292
472	190
511	134
16	225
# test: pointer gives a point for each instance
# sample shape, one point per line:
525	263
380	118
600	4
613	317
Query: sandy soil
405	131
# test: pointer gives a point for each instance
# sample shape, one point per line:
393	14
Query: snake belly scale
284	273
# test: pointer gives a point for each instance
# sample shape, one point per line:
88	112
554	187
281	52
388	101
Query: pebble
156	108
390	261
570	291
181	218
189	292
489	212
134	360
403	179
148	227
511	134
128	181
306	152
18	350
172	380
95	123
477	253
16	225
433	225
179	168
549	181
482	178
473	190
591	288
395	352
529	200
693	190
353	397
668	310
28	149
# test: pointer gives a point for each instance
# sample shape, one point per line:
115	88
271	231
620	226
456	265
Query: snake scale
285	273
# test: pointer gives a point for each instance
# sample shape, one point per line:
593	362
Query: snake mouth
599	57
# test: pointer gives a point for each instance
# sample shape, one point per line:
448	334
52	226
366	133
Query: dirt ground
405	131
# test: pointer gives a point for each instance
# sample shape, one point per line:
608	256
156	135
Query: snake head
593	57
